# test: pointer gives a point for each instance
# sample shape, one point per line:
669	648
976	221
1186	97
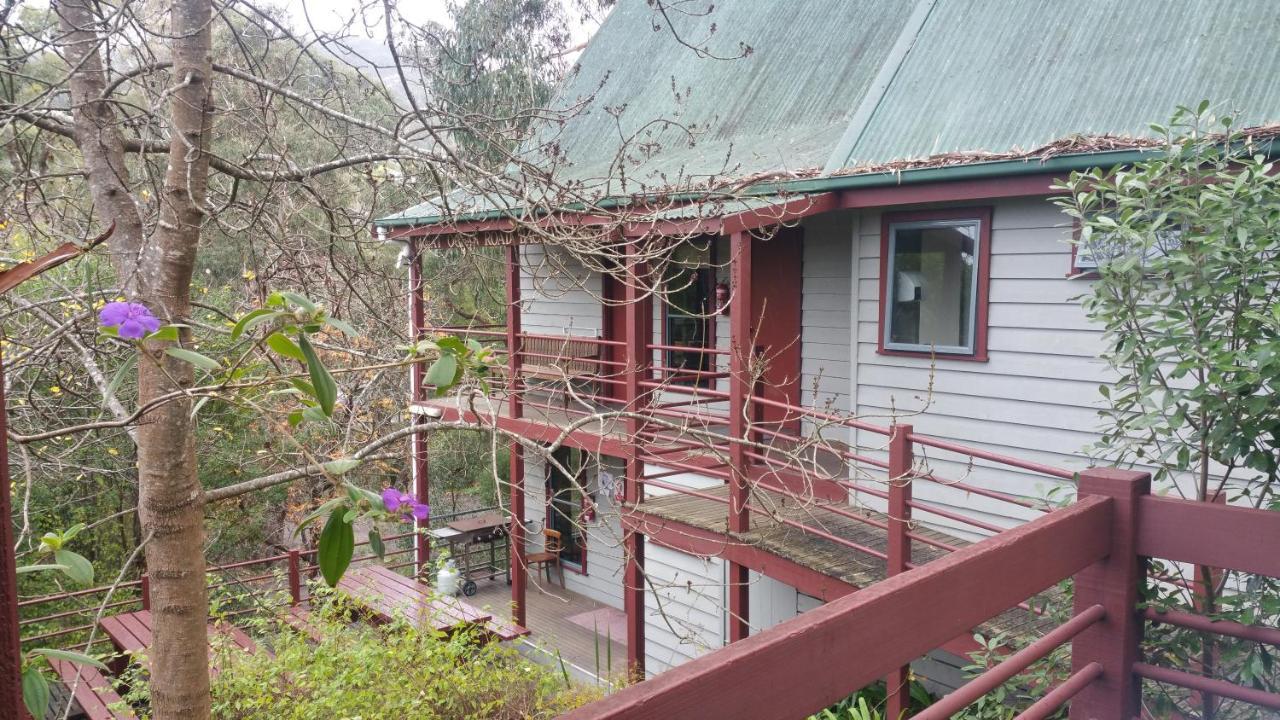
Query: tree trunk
157	272
98	137
170	495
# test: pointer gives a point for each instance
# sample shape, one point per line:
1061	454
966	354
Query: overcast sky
329	15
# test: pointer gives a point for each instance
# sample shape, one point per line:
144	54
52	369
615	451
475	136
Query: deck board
548	609
833	559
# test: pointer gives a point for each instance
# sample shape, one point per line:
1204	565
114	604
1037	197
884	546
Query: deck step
93	691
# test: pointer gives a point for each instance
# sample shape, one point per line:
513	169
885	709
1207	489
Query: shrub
359	671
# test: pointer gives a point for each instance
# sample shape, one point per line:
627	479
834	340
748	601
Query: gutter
1064	164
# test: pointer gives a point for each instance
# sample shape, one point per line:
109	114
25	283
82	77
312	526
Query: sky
330	15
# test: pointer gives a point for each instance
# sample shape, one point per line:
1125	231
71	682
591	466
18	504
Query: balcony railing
246	587
1101	541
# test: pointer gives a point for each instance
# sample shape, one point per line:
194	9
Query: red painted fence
1102	541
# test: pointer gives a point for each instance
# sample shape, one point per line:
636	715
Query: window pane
932	287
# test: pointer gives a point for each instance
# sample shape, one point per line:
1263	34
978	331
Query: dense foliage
381	671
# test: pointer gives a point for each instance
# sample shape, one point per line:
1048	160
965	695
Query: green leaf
370	496
375	542
442	371
78	568
310	518
321	379
69	656
295	418
286	347
168	333
337	545
315	414
300	300
251	318
195	358
35	692
342	325
341	465
125	371
449	342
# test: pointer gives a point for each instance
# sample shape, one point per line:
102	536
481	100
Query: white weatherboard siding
825	324
558	296
684	607
1037	396
602	580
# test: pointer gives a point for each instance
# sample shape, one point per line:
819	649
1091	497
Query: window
1087	256
934	267
688	314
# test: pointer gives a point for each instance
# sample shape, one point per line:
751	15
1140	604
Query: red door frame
777	275
613	322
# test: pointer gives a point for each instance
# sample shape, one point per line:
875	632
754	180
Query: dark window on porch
688	322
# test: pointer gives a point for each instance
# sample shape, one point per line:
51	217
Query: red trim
789	211
983	215
951	191
802	206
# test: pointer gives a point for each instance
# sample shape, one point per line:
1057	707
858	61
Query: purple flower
410	509
392	499
131	320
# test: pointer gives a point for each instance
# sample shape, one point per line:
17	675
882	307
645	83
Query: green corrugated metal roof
836	84
781	107
998	75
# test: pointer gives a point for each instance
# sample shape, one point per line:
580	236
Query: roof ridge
867	105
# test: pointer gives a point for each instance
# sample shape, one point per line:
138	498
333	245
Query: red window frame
982	214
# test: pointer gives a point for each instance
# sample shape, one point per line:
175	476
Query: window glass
932	286
688	310
1093	250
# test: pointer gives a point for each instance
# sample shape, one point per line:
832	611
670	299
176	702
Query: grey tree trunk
157	271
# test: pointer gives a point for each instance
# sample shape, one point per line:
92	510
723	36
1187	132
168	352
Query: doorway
776	279
565	501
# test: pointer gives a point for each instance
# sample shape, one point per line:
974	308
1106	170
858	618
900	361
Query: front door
564	506
776	279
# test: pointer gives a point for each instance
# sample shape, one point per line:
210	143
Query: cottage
835	244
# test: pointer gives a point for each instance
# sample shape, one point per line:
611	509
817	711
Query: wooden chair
552	544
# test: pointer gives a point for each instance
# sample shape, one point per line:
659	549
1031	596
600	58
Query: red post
742	344
10	646
418	444
637	332
295	578
519	571
1115	584
514	340
898	549
146	591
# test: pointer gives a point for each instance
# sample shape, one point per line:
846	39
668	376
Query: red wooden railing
709	422
259	583
1102	541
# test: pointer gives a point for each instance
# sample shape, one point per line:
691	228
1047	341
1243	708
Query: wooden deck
549	609
859	569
